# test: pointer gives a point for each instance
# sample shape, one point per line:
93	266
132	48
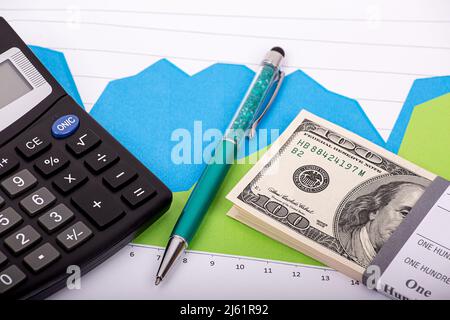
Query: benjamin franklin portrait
368	220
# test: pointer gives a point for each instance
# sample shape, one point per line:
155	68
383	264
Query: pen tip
158	280
279	50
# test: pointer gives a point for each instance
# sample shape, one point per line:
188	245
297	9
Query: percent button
51	163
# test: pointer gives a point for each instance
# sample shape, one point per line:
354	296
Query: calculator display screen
13	85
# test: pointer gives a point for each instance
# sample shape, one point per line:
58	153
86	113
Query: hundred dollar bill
328	193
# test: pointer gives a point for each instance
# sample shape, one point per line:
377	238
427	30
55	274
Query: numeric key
19	183
56	218
37	201
9	218
22	239
10	277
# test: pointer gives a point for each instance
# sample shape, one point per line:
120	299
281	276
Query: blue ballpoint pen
247	117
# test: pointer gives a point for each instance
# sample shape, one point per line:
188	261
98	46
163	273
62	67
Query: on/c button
65	126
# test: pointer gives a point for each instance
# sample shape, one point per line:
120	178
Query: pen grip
205	190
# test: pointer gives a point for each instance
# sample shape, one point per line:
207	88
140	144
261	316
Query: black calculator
70	194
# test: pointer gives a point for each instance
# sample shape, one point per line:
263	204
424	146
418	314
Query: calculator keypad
22	239
58	194
19	183
37	201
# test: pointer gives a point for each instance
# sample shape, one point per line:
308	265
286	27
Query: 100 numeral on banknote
330	190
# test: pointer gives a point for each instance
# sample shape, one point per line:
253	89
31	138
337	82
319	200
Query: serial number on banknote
303	146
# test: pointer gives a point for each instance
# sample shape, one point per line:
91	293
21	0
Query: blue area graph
143	111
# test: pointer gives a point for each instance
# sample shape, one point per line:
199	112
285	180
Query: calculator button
119	176
56	218
83	142
3	258
98	204
33	146
19	183
65	126
10	277
7	164
70	179
22	239
41	257
37	201
9	218
51	163
138	193
2	202
101	159
74	236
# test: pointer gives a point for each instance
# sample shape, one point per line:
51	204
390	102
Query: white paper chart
130	274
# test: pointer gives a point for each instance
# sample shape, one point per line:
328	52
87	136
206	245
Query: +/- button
65	126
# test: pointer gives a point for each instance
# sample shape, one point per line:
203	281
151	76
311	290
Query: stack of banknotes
328	193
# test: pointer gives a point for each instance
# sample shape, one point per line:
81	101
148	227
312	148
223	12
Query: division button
101	159
74	236
42	257
10	277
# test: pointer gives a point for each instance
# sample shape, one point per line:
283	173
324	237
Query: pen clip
255	123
